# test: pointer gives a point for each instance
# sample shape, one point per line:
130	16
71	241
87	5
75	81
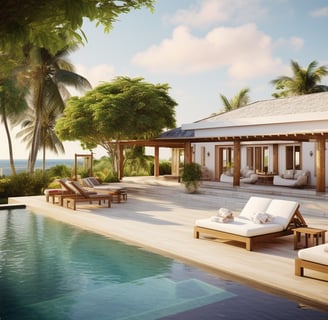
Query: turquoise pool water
50	270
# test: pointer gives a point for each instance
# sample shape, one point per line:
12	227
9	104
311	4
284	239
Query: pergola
186	143
293	119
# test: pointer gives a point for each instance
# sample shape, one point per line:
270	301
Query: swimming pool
50	270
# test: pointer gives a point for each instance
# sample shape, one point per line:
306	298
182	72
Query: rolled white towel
221	219
261	218
225	213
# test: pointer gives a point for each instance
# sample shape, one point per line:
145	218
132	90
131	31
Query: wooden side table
310	233
265	178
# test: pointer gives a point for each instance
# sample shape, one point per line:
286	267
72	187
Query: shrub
59	171
164	168
191	175
25	184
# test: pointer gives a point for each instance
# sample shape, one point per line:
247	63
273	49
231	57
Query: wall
308	160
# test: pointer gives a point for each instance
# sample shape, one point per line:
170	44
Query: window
227	158
293	157
249	157
258	158
202	160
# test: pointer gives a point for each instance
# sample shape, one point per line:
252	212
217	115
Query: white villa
270	136
284	137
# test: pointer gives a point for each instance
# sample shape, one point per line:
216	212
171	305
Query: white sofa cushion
299	178
315	254
279	181
226	178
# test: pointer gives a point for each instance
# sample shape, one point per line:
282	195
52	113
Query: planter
191	176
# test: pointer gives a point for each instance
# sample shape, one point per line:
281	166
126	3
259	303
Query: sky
201	48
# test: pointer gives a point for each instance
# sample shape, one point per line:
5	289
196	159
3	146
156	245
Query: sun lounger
314	258
285	216
69	192
116	192
84	196
53	193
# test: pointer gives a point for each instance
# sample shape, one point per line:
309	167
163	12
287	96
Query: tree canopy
48	24
238	101
122	109
304	80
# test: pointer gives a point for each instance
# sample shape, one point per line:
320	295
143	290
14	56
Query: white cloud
322	12
96	74
210	12
297	42
244	50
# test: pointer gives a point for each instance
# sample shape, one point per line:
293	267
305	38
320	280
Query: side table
310	233
265	178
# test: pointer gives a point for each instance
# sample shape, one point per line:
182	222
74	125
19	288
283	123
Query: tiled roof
297	108
177	133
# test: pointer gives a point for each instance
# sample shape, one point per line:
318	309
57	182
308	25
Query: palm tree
48	75
48	137
303	81
238	101
12	103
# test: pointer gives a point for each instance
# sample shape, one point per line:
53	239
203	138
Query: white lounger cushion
254	205
281	212
107	187
242	227
315	254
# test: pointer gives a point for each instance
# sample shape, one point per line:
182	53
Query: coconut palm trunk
37	129
10	145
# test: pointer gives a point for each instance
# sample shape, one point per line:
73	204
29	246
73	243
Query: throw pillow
289	174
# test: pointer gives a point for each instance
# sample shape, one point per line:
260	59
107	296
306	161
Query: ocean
21	165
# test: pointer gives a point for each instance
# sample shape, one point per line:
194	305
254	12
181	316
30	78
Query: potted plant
191	176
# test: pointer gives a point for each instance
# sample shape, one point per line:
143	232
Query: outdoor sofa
292	178
284	216
314	258
246	176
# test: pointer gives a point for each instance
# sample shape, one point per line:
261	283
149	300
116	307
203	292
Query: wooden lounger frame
300	264
84	196
75	199
296	221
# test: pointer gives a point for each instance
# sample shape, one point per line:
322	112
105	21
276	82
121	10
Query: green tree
48	74
12	103
43	23
122	109
37	24
238	101
303	81
137	162
48	137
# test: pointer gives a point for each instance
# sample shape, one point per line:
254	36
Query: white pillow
249	173
289	174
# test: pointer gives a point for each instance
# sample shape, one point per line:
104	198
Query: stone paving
159	215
